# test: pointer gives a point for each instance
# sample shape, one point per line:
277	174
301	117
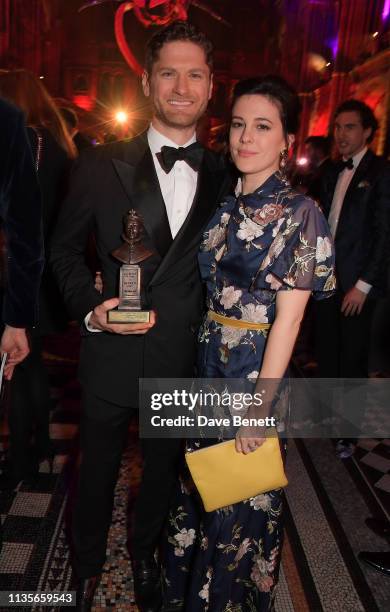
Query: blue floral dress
273	239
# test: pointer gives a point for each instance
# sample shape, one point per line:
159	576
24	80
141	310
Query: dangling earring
283	160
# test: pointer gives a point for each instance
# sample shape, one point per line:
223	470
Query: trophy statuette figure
130	253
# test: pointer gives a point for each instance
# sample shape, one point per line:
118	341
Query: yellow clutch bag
224	477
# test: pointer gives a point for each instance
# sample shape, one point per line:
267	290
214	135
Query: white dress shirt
343	182
178	187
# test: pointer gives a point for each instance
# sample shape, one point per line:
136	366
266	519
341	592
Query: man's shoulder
376	167
130	150
328	165
378	161
215	161
8	110
10	116
328	168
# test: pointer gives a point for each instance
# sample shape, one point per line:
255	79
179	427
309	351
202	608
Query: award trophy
130	253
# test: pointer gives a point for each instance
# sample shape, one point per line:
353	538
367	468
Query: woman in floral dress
264	252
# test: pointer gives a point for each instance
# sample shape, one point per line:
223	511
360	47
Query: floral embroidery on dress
249	230
184	539
204	593
269	213
215	235
261	502
324	249
181	538
274	282
255	313
261	574
229	297
231	336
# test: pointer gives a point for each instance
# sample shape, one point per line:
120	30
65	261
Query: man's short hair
367	117
178	30
320	143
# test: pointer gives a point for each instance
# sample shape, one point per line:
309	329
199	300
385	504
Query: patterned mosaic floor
328	501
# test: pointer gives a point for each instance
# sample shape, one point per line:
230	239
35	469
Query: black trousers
29	409
342	343
104	432
342	349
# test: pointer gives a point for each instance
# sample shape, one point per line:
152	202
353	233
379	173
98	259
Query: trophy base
128	316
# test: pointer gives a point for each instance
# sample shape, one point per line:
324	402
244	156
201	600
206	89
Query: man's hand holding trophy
124	315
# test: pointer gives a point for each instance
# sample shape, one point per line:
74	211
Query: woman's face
256	137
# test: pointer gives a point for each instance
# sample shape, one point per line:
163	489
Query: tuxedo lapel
141	185
353	195
360	174
202	207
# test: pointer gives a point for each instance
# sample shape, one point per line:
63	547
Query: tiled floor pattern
372	458
320	548
344	504
327	566
325	530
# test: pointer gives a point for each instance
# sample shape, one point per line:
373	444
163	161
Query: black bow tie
345	164
170	155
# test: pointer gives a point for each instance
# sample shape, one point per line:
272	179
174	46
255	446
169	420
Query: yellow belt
238	323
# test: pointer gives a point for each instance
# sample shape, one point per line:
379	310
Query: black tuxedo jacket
21	221
106	183
53	174
362	236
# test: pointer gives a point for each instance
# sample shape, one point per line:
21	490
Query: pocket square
363	184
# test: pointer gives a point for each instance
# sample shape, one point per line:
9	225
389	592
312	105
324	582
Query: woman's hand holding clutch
248	439
252	432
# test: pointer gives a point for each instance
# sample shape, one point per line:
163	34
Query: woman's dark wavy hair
278	91
177	31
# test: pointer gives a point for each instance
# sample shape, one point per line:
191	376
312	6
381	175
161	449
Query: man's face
349	134
179	86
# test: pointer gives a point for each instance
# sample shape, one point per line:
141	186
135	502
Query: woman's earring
283	160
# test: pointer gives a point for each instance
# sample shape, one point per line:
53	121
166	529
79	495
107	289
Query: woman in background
53	152
263	254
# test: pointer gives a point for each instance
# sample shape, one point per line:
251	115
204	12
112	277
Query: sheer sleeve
301	256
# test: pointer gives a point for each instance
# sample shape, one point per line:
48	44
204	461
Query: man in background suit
174	185
356	200
21	240
20	213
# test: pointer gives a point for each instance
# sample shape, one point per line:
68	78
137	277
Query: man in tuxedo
356	200
21	237
174	185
